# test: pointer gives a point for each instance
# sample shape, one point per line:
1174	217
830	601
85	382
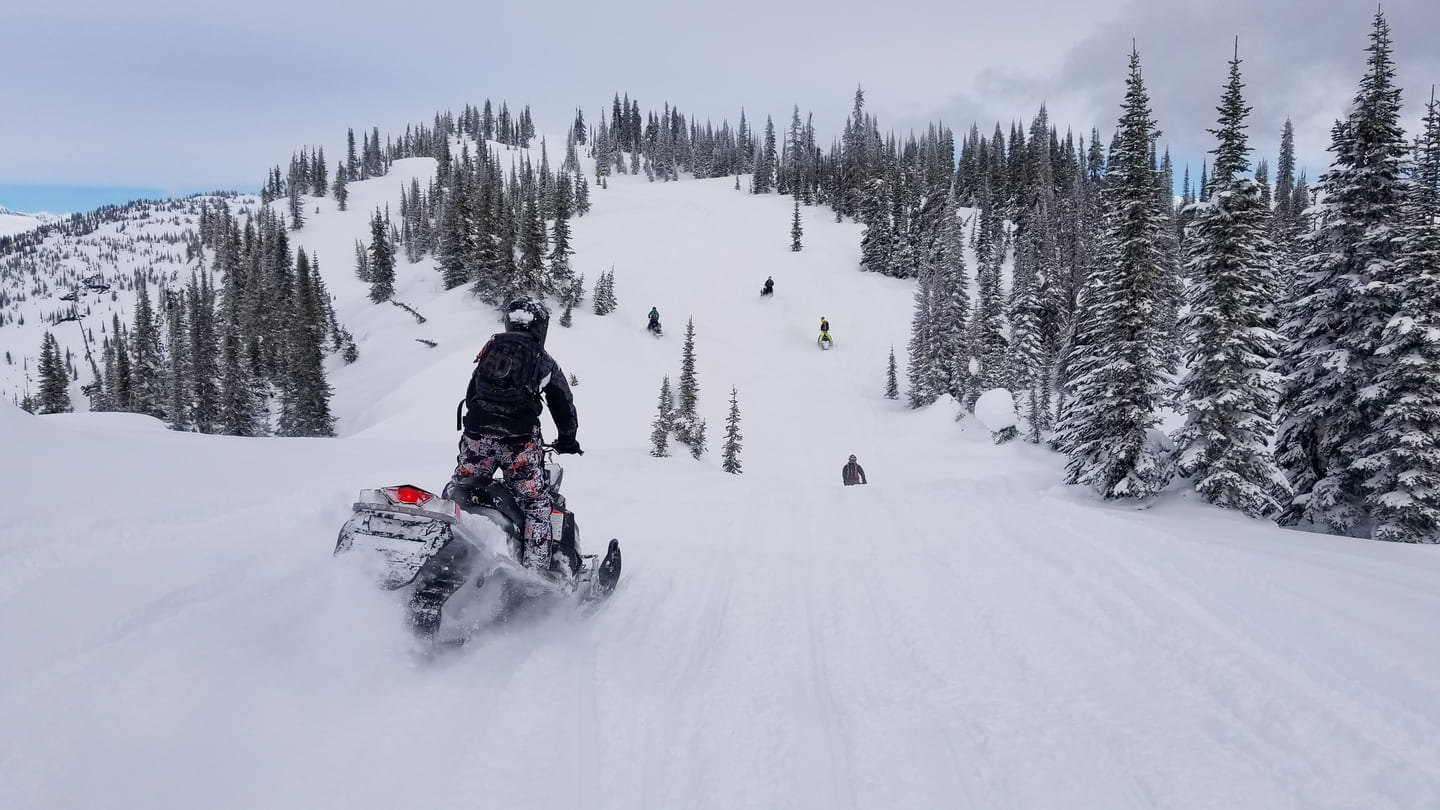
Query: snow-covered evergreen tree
239	405
204	350
296	205
664	422
122	389
1401	454
689	384
796	229
582	195
695	437
988	341
1119	381
340	188
54	381
944	258
531	278
561	274
689	427
1033	319
730	460
381	260
362	262
177	369
920	370
1345	294
146	356
1230	389
763	181
305	402
892	385
603	296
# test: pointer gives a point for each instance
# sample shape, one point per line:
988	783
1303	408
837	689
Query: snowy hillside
962	632
14	222
91	274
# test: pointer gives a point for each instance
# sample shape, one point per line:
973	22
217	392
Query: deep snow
962	632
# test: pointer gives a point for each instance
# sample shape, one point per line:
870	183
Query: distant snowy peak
13	222
43	216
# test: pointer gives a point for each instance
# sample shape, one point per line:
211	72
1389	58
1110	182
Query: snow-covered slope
962	632
14	222
91	273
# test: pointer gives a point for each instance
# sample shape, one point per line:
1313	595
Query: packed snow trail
963	632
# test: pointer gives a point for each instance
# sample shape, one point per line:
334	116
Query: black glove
566	445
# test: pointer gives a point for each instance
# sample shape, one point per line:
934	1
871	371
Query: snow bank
996	410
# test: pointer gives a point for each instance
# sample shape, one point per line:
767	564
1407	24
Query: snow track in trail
963	632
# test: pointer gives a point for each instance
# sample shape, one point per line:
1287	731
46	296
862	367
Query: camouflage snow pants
522	462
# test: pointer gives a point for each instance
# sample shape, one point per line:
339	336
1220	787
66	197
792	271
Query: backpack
502	387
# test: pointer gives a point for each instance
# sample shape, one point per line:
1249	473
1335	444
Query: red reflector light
408	494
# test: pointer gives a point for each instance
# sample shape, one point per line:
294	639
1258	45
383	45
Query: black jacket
550	380
853	473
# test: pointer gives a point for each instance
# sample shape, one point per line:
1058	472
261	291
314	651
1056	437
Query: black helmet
852	456
530	314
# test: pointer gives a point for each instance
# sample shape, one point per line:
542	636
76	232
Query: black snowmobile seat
477	491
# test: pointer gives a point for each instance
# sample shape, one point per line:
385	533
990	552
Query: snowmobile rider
824	328
852	473
769	288
502	419
654	325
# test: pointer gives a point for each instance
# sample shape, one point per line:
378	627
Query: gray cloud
1302	59
178	94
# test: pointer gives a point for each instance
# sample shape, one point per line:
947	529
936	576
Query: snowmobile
459	556
654	328
824	341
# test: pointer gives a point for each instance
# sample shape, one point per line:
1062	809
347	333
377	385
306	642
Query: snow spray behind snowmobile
459	555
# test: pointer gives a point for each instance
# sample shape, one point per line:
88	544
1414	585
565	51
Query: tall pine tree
381	260
1345	294
1120	380
1401	458
1229	390
730	459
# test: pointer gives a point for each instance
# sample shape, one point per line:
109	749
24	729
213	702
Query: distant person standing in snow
769	288
852	473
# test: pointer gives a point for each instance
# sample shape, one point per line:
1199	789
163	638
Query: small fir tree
382	260
730	462
54	380
892	385
660	434
697	439
689	386
796	229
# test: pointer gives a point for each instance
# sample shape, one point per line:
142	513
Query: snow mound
996	410
110	421
12	419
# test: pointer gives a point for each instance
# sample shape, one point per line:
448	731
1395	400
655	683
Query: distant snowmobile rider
769	287
502	419
852	473
654	325
824	329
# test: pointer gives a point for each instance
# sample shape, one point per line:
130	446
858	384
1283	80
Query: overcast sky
175	96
